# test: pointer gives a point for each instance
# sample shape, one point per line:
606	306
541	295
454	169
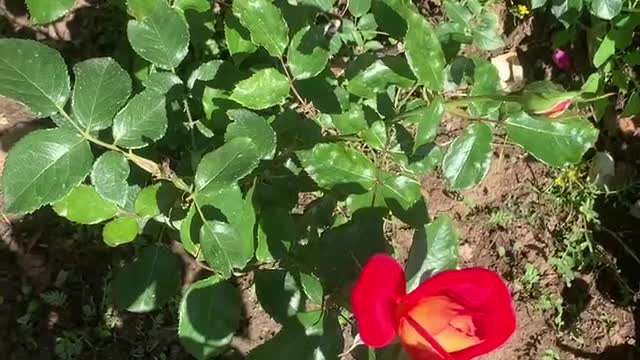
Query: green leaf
557	143
162	82
197	5
486	81
424	53
120	231
33	74
312	288
264	89
156	199
148	282
109	176
606	49
265	24
334	164
358	8
162	37
567	11
606	9
84	206
101	89
429	120
376	135
237	37
632	106
210	313
278	293
536	4
458	13
308	53
485	34
248	124
226	165
379	75
307	336
434	249
351	121
324	5
468	158
401	189
46	11
204	72
142	121
219	244
228	205
141	8
43	167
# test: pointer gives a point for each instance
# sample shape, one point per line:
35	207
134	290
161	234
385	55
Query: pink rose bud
561	59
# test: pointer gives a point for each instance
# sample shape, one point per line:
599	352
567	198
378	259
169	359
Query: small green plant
530	279
68	346
501	217
551	354
553	304
54	298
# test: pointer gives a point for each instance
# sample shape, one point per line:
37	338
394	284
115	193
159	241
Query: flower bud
547	99
561	59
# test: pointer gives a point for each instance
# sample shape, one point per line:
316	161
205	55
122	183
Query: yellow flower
522	10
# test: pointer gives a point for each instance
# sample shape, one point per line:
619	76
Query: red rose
454	315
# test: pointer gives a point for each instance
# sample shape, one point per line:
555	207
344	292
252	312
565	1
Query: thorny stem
300	99
187	110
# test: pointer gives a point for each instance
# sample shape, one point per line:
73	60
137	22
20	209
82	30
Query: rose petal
374	299
481	291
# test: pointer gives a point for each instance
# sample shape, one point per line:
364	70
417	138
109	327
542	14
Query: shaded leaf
402	189
237	37
210	313
434	249
307	336
156	199
308	53
373	77
148	282
278	293
248	124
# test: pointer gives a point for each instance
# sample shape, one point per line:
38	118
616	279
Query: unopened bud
561	59
547	99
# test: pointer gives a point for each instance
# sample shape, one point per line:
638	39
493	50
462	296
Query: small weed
551	354
530	279
500	217
68	346
55	298
552	303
